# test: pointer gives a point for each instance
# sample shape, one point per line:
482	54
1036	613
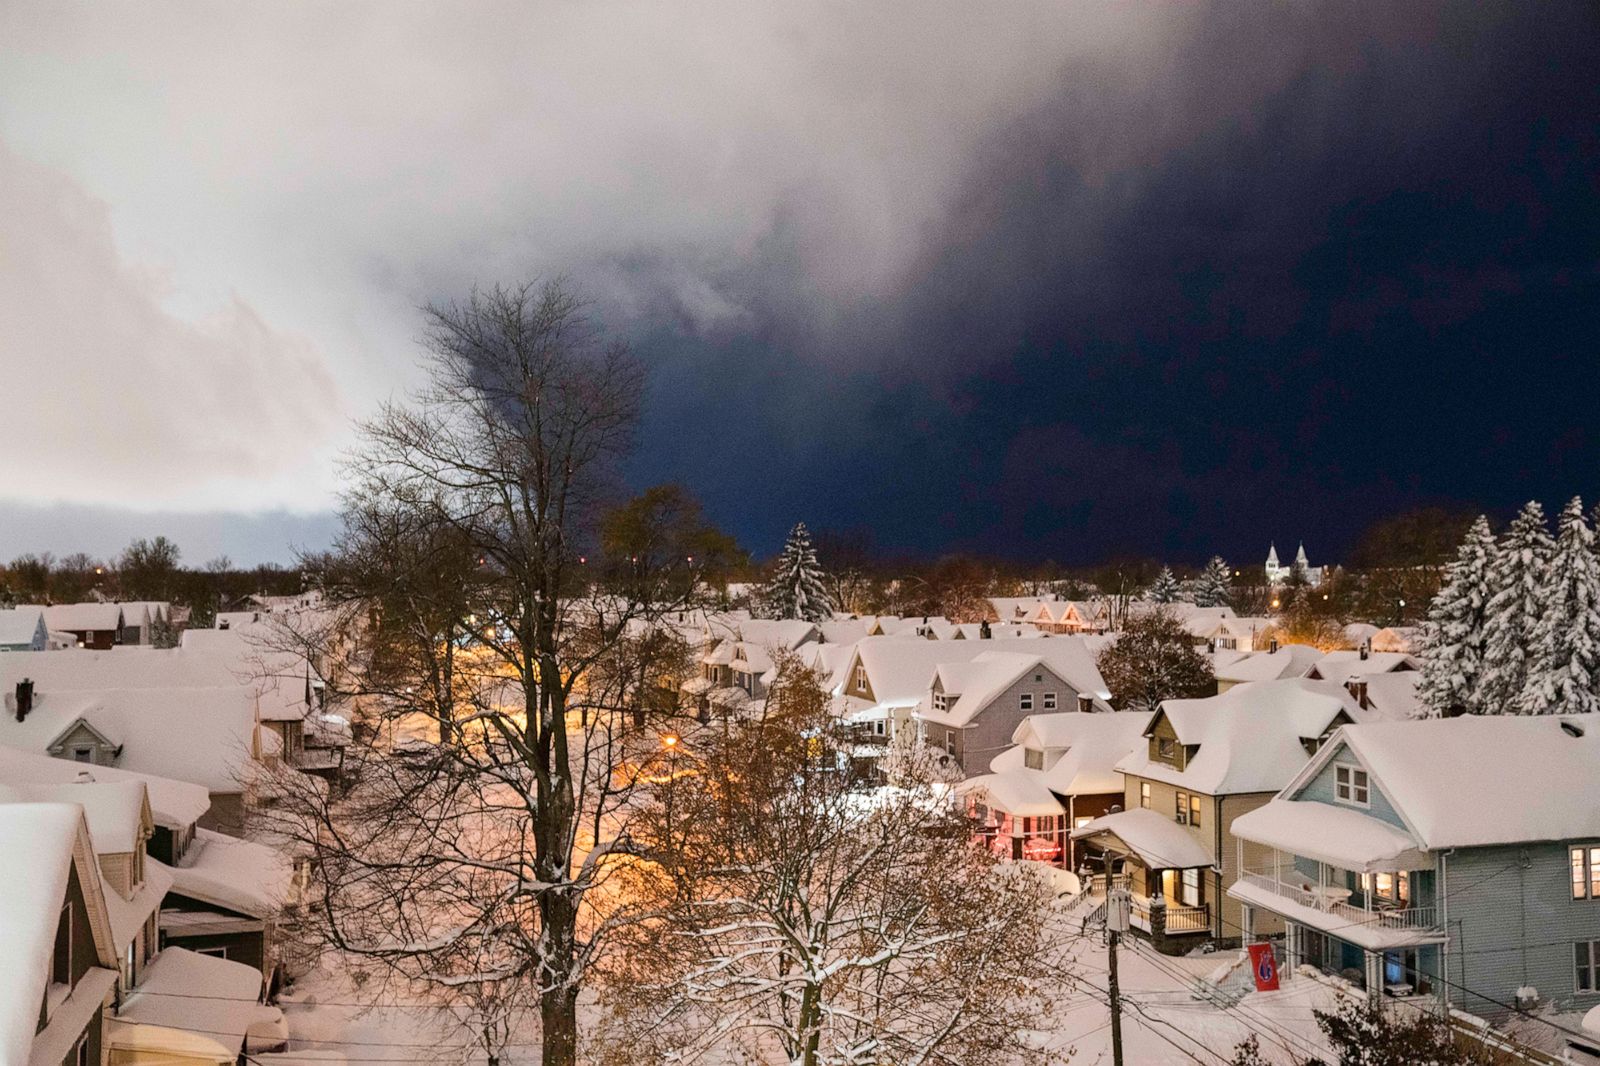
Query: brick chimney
24	698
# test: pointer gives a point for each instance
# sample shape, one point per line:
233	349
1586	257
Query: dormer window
1166	749
1033	758
1350	785
861	678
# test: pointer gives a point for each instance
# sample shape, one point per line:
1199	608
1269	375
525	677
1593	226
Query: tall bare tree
477	632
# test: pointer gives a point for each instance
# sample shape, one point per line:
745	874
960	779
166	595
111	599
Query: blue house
1454	858
23	629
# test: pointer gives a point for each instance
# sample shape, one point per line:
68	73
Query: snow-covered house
1453	857
92	625
23	629
138	617
58	968
1395	638
1231	633
734	668
1015	610
1287	661
973	706
1344	665
1059	774
1204	763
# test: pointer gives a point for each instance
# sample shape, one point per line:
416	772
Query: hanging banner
1264	965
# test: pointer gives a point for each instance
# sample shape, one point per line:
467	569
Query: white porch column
1247	920
1374	961
1291	946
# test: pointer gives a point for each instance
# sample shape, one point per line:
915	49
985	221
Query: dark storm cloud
1317	265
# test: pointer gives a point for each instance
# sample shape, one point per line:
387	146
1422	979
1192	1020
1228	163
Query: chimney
1366	649
1085	703
984	632
1358	689
24	698
1272	645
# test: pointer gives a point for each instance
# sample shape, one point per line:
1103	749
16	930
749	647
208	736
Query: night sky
1062	281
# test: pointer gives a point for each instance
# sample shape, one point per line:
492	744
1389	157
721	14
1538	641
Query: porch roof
1335	835
1019	792
1155	840
1372	935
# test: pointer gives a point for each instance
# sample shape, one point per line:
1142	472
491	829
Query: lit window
1191	888
1586	872
1181	807
1194	811
1025	701
1081	820
1350	785
1144	794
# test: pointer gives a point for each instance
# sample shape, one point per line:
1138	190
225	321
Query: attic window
1033	758
1350	785
1572	729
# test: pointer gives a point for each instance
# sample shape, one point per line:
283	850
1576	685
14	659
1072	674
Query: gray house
1453	858
23	629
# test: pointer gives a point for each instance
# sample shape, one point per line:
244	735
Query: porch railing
1180	919
1422	919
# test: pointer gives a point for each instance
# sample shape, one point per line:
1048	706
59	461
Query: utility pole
1118	904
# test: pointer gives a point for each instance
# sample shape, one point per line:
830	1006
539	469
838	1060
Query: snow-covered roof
20	625
843	630
1290	660
133	610
1394	696
200	994
1250	738
116	812
1357	632
1015	608
201	735
1342	665
129	915
1018	792
237	874
1342	836
83	617
44	834
1436	772
1158	841
175	804
901	671
1081	751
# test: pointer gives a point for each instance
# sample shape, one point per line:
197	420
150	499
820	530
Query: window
1586	872
1025	701
1033	758
1392	887
1350	785
950	741
1049	701
861	678
1182	808
1190	894
1587	957
1166	748
1081	820
1144	794
1194	810
217	953
80	1051
83	754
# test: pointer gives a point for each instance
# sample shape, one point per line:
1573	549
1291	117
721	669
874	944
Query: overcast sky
1048	279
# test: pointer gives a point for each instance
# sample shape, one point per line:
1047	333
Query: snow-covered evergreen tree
798	588
1517	590
1452	634
1564	652
1213	587
1165	588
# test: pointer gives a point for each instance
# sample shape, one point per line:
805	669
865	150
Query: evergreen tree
1564	651
1213	587
1516	602
798	588
1452	634
1165	588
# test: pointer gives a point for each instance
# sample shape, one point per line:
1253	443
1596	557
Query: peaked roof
175	804
1081	750
82	617
1249	738
1158	841
1436	771
20	625
901	670
53	838
1290	660
1342	665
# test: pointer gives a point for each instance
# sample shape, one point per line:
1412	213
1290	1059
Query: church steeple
1272	555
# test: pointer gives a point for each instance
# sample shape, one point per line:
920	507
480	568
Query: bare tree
477	640
787	915
1154	659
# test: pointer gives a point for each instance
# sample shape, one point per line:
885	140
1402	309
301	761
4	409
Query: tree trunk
558	1018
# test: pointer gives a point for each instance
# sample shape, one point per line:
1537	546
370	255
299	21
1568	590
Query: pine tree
1564	652
1452	634
1165	588
798	588
1516	603
1214	585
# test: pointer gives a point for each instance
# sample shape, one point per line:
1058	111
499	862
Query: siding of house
226	814
989	732
82	736
1513	922
1322	789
